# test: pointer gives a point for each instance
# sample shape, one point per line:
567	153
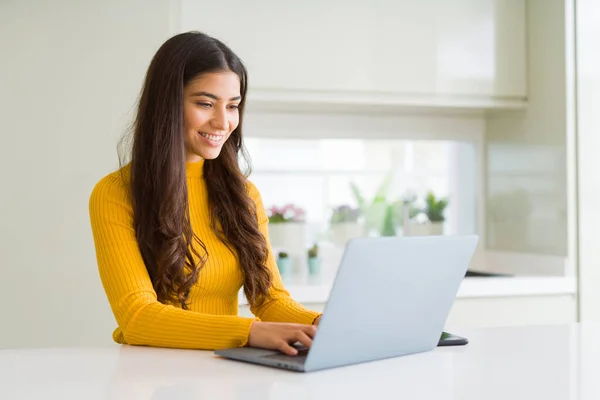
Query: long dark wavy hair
158	185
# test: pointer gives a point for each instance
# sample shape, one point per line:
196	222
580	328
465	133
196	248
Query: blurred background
381	118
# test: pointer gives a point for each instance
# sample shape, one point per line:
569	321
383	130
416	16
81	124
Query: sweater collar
194	169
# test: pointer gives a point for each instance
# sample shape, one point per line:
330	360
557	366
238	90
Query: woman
179	228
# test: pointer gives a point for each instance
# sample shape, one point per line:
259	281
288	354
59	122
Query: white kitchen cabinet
483	302
448	50
497	311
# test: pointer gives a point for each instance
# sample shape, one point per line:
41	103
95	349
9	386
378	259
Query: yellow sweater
211	321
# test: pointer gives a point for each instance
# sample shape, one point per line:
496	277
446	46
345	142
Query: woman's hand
316	323
280	336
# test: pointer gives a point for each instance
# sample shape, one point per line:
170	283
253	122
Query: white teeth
211	137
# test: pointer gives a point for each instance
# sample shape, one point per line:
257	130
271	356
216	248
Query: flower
344	213
288	213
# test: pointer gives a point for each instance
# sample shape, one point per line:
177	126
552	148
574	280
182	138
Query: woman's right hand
280	336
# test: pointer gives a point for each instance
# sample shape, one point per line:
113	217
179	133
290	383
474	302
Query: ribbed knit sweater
212	321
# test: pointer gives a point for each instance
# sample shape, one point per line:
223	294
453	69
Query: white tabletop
546	363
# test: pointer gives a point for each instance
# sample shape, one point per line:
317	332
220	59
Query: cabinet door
425	47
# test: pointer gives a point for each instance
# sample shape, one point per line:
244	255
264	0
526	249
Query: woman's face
210	113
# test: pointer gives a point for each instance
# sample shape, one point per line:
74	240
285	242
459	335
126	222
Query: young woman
178	229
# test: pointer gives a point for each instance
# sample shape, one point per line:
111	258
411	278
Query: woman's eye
207	105
234	106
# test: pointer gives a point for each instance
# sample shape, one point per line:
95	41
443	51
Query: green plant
397	211
283	254
344	213
375	211
389	226
313	252
434	208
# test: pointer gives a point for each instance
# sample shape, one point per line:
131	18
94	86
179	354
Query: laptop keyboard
300	358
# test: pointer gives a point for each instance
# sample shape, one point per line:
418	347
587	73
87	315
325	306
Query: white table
545	363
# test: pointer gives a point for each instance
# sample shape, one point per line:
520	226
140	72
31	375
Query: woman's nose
219	120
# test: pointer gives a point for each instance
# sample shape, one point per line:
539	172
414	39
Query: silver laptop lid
391	297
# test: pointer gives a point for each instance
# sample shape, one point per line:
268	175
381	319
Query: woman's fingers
310	330
279	336
285	348
303	338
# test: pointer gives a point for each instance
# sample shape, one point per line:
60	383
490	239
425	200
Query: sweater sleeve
142	320
282	308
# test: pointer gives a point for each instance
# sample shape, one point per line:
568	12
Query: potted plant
374	212
406	211
284	264
287	227
389	222
345	224
434	213
314	262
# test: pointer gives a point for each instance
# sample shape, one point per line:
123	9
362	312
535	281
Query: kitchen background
353	106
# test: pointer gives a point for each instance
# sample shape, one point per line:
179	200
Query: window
317	174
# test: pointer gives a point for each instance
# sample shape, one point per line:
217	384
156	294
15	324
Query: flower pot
341	232
288	235
284	265
426	229
314	266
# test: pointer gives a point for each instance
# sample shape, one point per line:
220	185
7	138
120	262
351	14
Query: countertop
535	362
317	291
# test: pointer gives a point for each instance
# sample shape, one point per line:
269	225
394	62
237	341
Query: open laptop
391	297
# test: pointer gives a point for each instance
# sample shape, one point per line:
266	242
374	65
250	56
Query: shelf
316	172
348	101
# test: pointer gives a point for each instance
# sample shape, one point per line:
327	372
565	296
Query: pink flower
299	215
287	213
274	210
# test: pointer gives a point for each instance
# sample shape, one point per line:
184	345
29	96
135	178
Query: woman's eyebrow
213	96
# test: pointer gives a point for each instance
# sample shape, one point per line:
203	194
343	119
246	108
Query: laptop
391	297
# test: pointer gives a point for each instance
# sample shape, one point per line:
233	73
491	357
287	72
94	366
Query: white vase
341	232
426	229
288	236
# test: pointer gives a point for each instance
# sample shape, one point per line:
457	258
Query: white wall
69	76
529	149
588	121
70	73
